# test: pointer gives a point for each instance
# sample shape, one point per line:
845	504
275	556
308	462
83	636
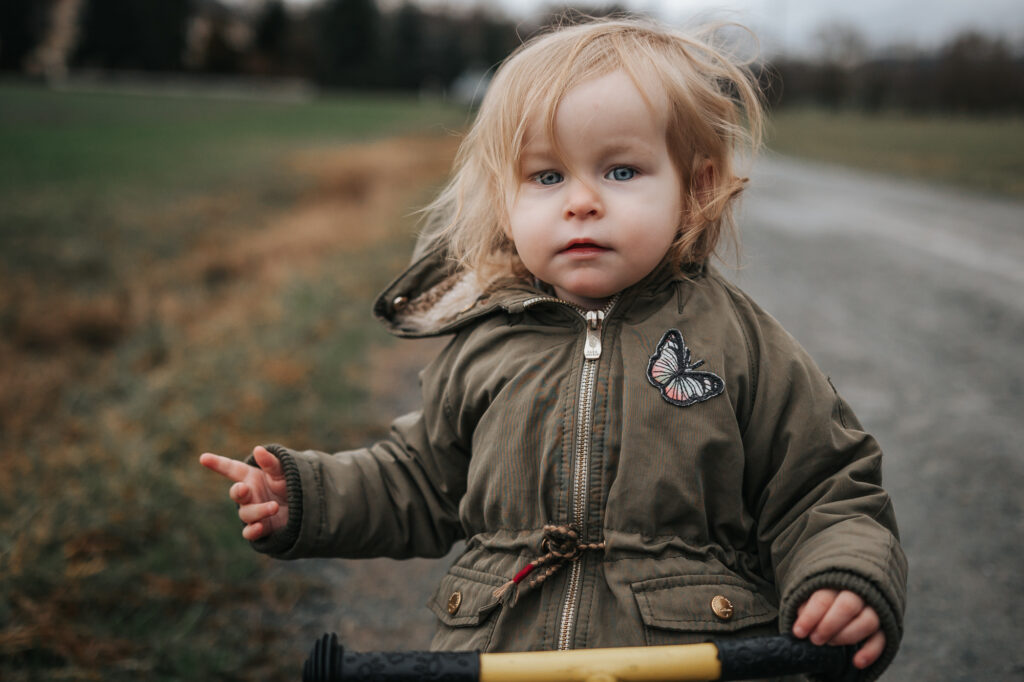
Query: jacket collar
434	297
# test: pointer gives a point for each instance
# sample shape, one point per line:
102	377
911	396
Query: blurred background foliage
403	46
199	199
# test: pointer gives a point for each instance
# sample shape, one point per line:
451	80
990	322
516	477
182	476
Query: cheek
525	219
517	215
519	235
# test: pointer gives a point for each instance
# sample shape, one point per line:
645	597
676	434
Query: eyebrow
545	150
617	147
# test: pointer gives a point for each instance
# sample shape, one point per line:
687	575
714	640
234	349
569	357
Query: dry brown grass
357	197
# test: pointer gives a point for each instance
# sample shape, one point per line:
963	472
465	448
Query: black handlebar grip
329	663
324	662
754	657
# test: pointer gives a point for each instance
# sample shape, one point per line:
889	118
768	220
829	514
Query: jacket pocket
674	609
464	603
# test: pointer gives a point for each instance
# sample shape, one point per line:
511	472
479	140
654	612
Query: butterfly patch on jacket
680	382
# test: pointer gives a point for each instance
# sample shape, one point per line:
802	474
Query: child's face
601	217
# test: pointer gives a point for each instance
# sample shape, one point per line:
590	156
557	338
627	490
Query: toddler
634	452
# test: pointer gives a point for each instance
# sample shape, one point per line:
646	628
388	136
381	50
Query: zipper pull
592	348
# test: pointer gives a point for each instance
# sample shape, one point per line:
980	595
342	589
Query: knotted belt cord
562	545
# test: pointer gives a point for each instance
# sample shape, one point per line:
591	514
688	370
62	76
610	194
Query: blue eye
548	177
621	173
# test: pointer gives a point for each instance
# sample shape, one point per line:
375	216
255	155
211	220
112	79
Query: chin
602	289
596	296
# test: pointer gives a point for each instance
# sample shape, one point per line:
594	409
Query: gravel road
911	297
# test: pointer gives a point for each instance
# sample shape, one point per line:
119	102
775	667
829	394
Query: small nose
582	201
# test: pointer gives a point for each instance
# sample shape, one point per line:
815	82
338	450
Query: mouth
583	246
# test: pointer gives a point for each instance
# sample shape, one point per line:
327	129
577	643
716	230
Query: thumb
268	462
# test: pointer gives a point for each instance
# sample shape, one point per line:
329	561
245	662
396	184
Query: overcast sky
792	24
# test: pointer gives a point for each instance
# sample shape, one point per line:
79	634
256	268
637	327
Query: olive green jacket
734	472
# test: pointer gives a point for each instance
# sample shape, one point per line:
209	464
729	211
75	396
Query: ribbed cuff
872	596
281	541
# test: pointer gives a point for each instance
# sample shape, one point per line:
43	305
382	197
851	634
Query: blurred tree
831	86
498	39
406	48
349	44
906	82
272	30
876	91
488	39
23	24
840	49
977	73
448	56
841	44
51	55
271	44
432	49
576	13
134	34
220	54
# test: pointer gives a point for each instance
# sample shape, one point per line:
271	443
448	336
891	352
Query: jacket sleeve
397	498
823	519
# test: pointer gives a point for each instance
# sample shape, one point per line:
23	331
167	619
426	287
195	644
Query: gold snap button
722	607
454	602
399	302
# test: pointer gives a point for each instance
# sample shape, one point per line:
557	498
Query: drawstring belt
562	545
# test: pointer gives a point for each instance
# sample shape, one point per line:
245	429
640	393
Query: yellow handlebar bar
682	663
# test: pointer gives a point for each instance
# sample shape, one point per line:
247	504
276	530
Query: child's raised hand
260	493
841	618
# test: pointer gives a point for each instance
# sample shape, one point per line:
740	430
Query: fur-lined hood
433	296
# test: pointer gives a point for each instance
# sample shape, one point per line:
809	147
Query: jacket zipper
591	354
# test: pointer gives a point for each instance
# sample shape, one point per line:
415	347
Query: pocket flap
465	597
701	603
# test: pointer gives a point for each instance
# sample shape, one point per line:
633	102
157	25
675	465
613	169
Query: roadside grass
179	276
981	153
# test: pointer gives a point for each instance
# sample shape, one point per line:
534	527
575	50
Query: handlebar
736	659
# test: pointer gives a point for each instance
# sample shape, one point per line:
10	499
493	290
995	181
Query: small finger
870	652
843	610
254	513
859	629
811	612
239	493
253	531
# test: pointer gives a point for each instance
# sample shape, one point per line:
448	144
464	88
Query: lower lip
584	250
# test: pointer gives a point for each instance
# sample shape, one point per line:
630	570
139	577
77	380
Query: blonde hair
714	111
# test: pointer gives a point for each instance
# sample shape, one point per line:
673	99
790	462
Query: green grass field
92	140
985	154
103	154
180	275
